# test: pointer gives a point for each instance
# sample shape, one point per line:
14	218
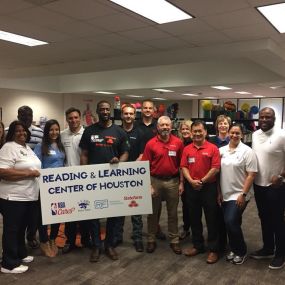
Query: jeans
270	204
233	221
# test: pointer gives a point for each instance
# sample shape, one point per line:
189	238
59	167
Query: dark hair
102	102
197	123
24	109
46	140
72	109
240	126
148	100
12	128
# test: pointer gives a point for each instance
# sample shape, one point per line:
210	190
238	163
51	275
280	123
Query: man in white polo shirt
268	144
70	138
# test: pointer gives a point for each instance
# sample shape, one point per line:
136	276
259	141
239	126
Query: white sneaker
230	256
28	259
19	269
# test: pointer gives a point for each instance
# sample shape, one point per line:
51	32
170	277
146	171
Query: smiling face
235	134
223	127
164	127
147	109
199	134
266	119
53	132
73	120
185	131
104	112
128	115
20	135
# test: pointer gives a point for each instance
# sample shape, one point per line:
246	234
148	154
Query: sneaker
19	269
28	259
239	259
262	254
230	256
277	262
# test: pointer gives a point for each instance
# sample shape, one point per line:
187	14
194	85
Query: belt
165	177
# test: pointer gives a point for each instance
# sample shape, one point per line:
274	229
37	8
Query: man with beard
103	142
268	144
164	153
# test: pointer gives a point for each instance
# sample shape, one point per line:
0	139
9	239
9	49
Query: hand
220	199
240	201
152	191
197	184
276	181
180	188
33	173
114	160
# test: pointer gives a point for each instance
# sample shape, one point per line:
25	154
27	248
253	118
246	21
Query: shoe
139	246
95	255
239	259
53	247
176	248
19	269
212	258
262	254
68	248
33	244
192	251
28	259
111	253
277	262
160	235
46	249
230	256
184	235
151	246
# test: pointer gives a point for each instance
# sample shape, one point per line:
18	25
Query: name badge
191	159
172	153
52	152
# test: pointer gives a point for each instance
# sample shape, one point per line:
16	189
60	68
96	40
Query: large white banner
95	191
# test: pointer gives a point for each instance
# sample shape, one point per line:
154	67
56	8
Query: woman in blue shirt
51	153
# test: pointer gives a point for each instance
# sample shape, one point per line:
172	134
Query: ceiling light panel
221	87
243	92
18	39
275	15
189	94
157	98
163	90
105	92
159	11
134	96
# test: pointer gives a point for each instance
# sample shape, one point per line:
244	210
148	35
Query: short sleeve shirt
103	144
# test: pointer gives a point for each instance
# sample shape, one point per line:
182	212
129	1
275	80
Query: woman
185	135
51	153
238	169
222	125
19	169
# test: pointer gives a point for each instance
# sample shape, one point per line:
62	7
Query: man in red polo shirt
200	164
164	153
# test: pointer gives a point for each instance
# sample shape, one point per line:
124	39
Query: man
164	153
103	142
268	144
128	115
148	127
70	138
200	164
25	115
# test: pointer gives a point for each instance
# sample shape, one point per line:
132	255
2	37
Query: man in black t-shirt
103	142
128	115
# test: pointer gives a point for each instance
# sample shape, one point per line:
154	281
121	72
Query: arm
12	174
196	184
84	157
181	183
211	174
246	187
123	158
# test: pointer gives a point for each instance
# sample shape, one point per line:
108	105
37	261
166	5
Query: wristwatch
244	194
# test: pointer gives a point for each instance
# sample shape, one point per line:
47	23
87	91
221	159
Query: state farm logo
133	203
58	209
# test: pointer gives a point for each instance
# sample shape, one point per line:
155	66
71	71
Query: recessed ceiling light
258	96
243	92
221	87
163	90
9	37
210	97
159	98
189	94
275	87
104	92
159	11
134	96
275	15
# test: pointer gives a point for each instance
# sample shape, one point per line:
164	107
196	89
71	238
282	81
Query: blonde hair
187	123
221	118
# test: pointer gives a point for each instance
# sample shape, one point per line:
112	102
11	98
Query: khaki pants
166	190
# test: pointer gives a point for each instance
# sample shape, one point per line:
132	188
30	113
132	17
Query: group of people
215	176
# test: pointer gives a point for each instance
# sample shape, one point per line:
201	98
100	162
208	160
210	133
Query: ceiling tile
168	43
8	6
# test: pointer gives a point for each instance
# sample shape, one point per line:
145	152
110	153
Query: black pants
185	212
70	232
270	203
33	220
206	200
15	218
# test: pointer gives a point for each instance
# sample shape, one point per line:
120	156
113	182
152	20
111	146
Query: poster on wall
88	113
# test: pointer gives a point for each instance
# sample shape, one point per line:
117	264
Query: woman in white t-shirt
19	169
238	169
